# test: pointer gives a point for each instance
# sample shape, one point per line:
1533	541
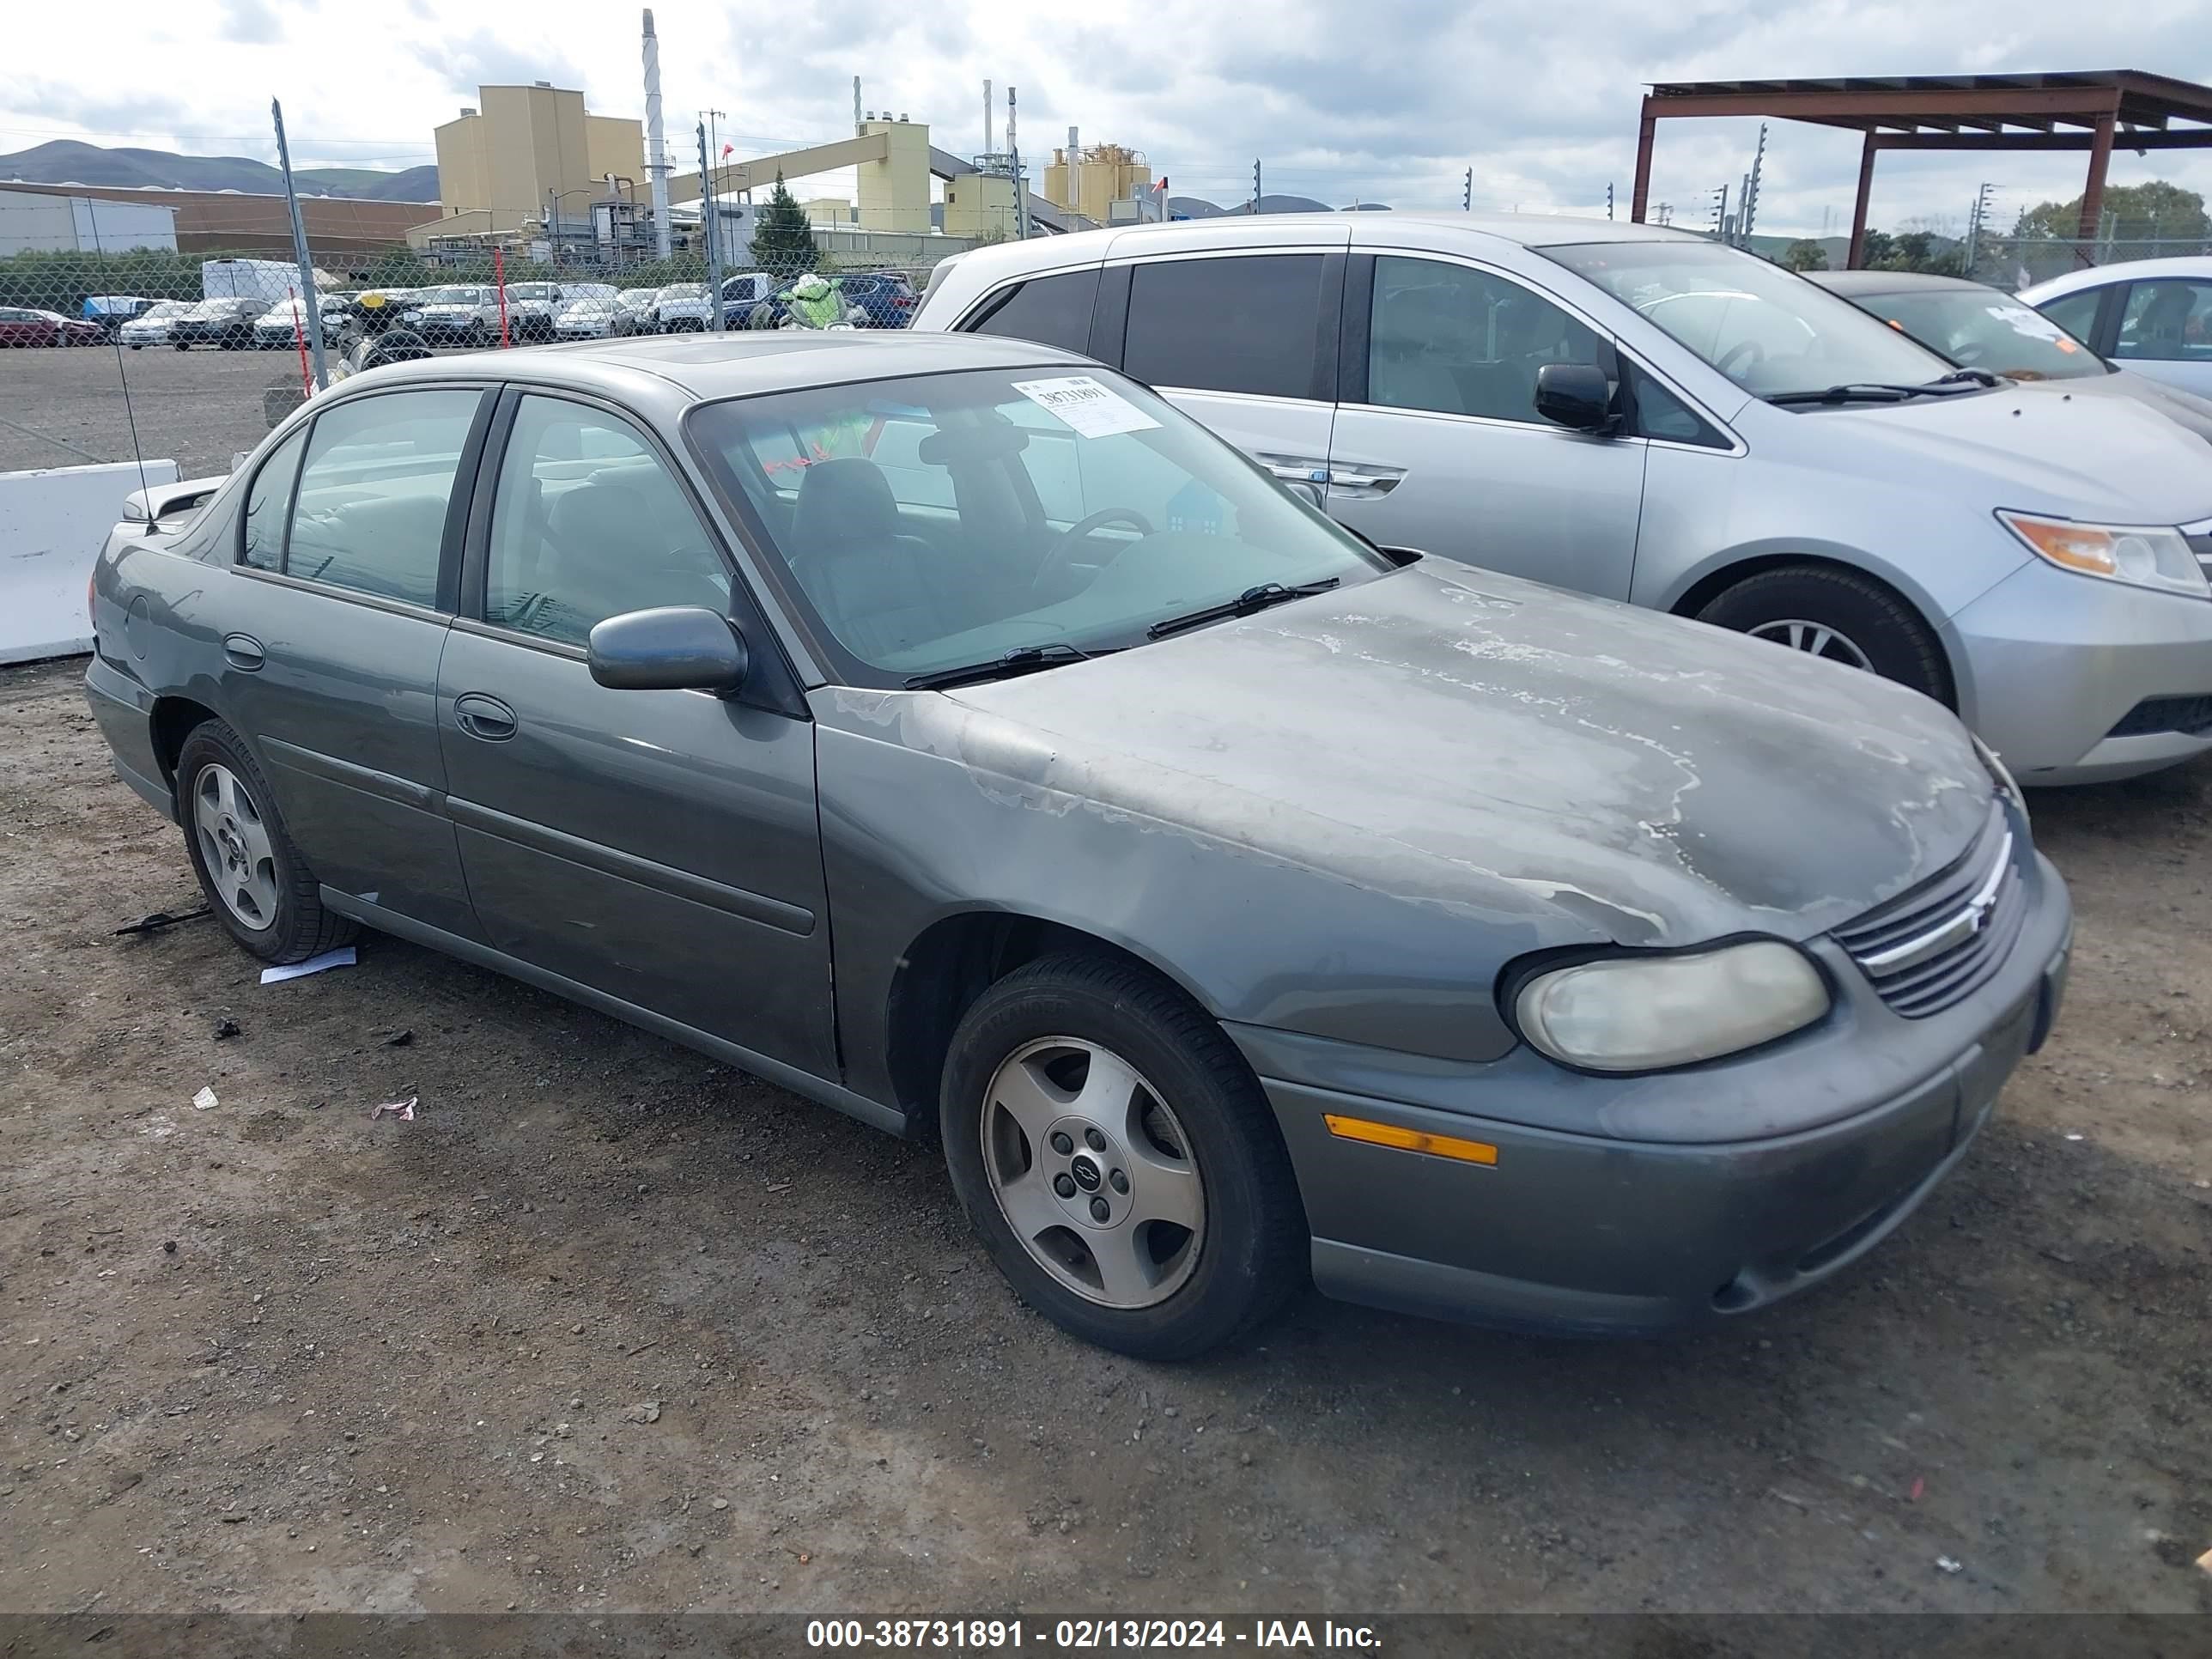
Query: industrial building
50	221
530	156
1089	180
232	221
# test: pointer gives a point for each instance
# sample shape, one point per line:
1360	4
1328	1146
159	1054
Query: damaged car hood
1452	736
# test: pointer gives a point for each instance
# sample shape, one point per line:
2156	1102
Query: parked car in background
109	311
281	327
21	325
151	326
2154	316
588	318
681	309
1645	415
460	313
743	294
379	308
1471	948
1976	326
228	323
886	296
531	309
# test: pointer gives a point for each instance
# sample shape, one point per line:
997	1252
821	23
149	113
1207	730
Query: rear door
1438	445
348	556
657	846
2164	330
1243	338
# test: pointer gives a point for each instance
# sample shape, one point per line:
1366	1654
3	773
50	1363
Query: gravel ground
609	1327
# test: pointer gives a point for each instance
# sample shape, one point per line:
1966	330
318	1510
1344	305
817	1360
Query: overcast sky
1381	100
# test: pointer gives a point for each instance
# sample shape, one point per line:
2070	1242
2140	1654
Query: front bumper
1591	1234
2050	662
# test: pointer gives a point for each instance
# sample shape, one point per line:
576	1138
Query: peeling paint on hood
1449	735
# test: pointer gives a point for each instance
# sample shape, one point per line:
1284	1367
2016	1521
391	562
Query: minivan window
1054	311
1229	325
1459	341
2169	320
1981	328
1767	330
952	519
2076	313
371	513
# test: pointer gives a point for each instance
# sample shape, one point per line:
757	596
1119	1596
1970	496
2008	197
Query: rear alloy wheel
1118	1160
1839	615
257	883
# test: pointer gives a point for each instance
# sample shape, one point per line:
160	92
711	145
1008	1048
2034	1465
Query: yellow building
978	204
510	159
1104	175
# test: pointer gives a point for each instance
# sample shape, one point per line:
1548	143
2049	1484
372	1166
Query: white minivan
1646	414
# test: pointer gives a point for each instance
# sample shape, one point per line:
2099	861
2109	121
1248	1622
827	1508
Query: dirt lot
273	1355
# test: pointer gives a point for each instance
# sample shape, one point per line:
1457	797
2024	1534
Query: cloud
253	22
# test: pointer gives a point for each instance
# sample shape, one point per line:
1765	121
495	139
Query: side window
2076	313
1054	311
1661	414
268	504
1232	324
2167	321
371	513
587	524
1463	341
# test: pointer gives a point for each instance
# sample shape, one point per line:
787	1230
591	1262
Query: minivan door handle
243	651
1364	483
484	717
1296	469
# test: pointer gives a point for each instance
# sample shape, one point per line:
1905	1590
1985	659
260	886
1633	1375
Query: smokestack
986	117
856	105
656	144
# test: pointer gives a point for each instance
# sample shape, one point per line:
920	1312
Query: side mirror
1577	396
682	648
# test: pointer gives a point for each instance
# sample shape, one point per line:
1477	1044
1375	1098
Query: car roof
2195	265
1850	283
708	367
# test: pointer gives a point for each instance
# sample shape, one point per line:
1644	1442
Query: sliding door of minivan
1245	341
1437	444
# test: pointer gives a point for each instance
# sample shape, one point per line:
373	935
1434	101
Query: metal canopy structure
2093	110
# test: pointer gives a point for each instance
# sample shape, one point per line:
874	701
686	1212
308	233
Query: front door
1443	450
659	846
2165	331
342	581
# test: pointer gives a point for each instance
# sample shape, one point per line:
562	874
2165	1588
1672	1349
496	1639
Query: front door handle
1364	482
1296	469
243	651
484	717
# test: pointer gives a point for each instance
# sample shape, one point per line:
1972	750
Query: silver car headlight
2142	556
1646	1013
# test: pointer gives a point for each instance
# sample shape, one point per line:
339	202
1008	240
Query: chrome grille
1929	948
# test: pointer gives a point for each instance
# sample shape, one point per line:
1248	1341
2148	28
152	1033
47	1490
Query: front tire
257	883
1118	1160
1839	615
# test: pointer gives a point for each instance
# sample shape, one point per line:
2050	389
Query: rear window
1054	311
1231	324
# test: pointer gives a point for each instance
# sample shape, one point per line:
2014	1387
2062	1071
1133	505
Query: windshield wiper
1886	392
1252	600
1022	659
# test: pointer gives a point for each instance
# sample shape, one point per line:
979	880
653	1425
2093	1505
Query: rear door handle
1296	469
243	651
484	717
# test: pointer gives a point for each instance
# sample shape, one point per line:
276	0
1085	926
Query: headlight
2143	555
1644	1013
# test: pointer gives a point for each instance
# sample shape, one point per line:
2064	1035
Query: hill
66	161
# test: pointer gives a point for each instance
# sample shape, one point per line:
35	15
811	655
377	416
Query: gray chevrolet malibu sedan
953	731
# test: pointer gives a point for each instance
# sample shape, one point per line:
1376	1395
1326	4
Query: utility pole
1014	166
1466	192
711	218
1747	202
1608	200
1977	223
1720	212
311	305
1255	184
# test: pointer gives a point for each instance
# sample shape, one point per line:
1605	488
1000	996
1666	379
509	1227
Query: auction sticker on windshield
1092	408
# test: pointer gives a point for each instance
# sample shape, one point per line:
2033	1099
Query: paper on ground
341	958
1088	405
205	1099
402	1109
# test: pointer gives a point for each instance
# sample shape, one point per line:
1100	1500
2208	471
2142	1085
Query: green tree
783	242
2133	212
1805	255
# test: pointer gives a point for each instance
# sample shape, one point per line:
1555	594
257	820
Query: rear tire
1839	615
1204	1234
257	884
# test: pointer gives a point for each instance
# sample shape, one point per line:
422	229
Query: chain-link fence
2018	262
189	356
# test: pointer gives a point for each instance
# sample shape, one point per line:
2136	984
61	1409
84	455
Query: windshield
162	308
590	303
637	296
454	297
948	519
1982	328
1767	330
531	291
683	291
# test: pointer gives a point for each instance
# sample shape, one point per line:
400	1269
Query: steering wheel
1060	557
1738	350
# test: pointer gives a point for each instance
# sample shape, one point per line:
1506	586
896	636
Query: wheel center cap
1085	1172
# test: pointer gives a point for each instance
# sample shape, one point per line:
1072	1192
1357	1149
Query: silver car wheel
1814	639
1093	1172
234	847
